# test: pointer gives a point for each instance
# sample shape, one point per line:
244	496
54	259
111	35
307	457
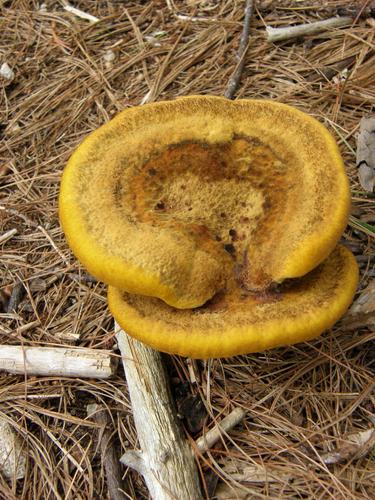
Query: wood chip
365	303
16	296
80	13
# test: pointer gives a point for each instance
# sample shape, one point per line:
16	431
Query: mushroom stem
165	461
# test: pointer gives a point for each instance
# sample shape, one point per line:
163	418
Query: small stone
6	71
109	56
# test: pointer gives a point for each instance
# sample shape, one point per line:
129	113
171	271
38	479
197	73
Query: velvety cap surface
176	199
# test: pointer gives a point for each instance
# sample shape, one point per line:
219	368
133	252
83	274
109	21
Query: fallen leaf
366	177
193	411
355	445
362	312
229	492
244	473
12	453
366	153
366	301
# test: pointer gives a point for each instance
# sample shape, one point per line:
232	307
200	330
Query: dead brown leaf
366	153
250	473
362	312
356	445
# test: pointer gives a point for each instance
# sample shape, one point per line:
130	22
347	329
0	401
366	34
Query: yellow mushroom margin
237	322
118	236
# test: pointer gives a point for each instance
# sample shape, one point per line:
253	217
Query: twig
15	297
281	34
207	441
234	80
110	460
53	245
166	460
83	277
57	361
184	17
8	235
16	213
80	13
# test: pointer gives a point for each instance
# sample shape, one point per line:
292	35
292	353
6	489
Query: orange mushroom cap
239	322
176	199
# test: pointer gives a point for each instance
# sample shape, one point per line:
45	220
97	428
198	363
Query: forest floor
69	76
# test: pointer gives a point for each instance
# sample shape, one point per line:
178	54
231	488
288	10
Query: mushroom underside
237	321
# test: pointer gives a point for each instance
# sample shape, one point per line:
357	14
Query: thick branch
60	361
166	460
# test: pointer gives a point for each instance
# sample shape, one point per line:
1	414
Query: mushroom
215	224
176	199
237	321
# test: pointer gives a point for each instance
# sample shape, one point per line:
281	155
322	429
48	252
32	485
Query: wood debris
282	34
110	459
166	460
206	442
17	294
57	361
235	78
7	235
80	13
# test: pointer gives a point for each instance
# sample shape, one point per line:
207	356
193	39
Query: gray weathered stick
281	34
206	442
57	361
165	460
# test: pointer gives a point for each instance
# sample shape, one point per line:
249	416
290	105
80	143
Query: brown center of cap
218	194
